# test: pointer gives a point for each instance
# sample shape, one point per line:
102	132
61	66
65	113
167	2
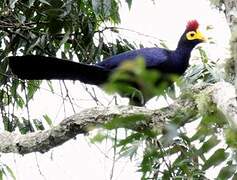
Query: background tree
76	30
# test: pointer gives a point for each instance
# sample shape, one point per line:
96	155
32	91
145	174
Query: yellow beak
200	36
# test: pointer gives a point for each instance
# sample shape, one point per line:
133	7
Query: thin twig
114	154
63	99
38	166
68	96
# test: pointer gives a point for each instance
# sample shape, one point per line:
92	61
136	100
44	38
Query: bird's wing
40	67
153	58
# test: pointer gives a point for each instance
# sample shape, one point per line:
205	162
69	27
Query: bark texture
182	110
83	122
224	97
231	17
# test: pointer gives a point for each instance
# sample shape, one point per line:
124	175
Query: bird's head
192	35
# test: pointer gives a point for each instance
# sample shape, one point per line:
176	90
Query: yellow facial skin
195	35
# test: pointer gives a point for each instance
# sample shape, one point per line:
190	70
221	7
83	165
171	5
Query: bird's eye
192	35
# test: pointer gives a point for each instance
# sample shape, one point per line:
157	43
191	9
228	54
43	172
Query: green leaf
130	151
65	38
7	123
1	174
131	79
19	101
150	155
27	125
215	117
49	83
9	170
216	158
124	122
129	2
203	54
226	172
231	136
209	144
38	124
48	119
32	88
114	12
130	139
3	68
99	137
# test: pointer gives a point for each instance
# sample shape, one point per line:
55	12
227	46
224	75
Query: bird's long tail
32	67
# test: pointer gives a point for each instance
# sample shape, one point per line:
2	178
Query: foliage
76	30
172	152
66	28
71	29
132	80
6	171
181	150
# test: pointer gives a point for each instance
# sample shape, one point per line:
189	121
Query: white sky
77	159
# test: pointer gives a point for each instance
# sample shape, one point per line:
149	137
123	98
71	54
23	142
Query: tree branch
231	17
85	121
225	98
182	110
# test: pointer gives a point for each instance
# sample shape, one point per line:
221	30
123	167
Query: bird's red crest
192	25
